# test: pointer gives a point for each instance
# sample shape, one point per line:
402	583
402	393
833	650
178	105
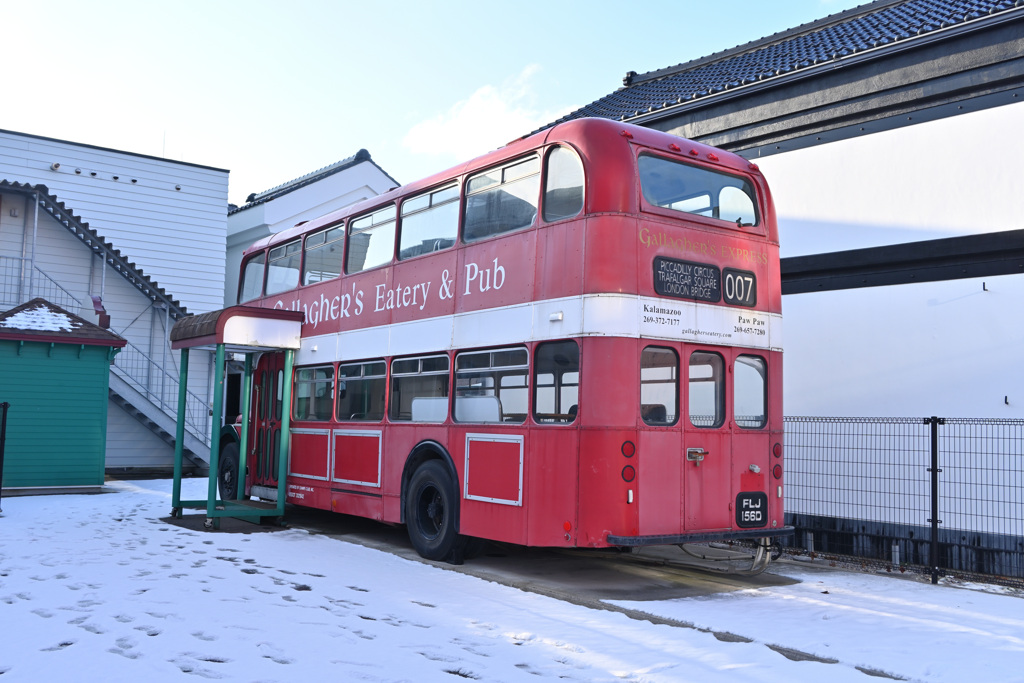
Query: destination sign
687	280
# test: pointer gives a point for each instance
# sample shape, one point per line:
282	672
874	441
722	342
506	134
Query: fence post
933	553
3	440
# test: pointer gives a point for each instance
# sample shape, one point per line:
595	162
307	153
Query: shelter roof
240	328
39	320
870	31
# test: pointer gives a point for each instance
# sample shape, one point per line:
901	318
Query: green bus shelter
240	330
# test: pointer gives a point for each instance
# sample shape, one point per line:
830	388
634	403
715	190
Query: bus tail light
712	156
628	449
777	471
628	473
777	450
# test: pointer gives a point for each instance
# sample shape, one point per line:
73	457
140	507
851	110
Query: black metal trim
675	539
358	493
951	258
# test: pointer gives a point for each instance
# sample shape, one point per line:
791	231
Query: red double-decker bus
572	341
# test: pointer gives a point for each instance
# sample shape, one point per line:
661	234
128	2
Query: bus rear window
682	187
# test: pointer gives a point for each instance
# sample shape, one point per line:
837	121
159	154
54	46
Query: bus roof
598	132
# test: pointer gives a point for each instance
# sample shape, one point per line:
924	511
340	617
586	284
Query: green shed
55	374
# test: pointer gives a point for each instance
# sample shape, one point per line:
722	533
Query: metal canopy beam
973	66
952	258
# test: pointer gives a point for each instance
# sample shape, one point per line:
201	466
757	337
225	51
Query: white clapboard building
129	242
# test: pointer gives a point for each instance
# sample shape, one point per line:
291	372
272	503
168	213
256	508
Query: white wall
946	348
177	237
361	181
954	176
132	315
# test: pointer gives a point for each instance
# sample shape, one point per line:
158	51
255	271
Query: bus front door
707	452
265	436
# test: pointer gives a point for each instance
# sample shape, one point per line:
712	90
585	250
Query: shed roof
870	31
40	321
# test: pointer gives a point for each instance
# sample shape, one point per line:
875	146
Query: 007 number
739	287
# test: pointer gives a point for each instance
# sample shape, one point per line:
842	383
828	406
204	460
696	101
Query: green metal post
179	434
218	407
243	445
286	412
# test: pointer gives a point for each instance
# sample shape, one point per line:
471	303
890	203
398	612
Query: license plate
751	510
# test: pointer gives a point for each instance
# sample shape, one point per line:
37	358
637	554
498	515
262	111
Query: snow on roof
41	318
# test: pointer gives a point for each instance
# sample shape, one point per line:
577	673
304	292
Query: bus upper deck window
502	199
430	222
252	278
371	240
323	255
670	184
563	185
283	267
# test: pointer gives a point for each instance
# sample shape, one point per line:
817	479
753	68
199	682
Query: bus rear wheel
430	513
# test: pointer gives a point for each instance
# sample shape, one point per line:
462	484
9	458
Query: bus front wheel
227	472
430	513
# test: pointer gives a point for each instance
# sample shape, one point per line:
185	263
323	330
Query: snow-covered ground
96	587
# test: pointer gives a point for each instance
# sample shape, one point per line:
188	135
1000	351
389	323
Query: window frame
262	254
350	227
431	206
758	227
764	391
363	377
312	382
395	377
343	227
502	168
546	175
287	252
498	372
719	384
644	415
556	418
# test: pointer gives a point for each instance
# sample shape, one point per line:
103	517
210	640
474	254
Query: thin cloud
486	120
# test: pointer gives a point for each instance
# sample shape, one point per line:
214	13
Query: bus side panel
419	288
612	245
659	481
494	497
559	269
552	487
400	440
604	493
496	272
610	380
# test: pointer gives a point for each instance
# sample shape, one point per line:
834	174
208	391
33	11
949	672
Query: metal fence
19	280
942	493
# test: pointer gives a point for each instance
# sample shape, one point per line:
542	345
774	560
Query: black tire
430	511
227	472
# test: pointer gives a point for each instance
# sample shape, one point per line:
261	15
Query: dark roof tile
870	26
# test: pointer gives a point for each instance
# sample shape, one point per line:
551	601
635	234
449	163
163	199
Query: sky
272	91
101	586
